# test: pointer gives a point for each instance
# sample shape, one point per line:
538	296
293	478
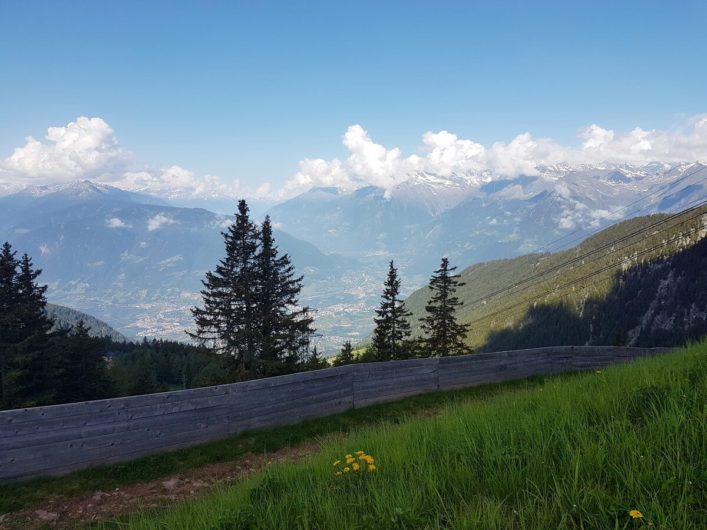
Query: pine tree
345	355
444	336
9	325
315	361
84	375
228	321
392	327
285	329
29	365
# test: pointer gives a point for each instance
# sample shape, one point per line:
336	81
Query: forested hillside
636	283
66	317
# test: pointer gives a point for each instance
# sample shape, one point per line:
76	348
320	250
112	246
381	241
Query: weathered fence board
59	439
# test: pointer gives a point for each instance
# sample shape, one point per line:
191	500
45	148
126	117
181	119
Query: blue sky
247	90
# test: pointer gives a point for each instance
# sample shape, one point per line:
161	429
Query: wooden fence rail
59	439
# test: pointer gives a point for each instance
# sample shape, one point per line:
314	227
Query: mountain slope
497	295
474	218
66	317
137	264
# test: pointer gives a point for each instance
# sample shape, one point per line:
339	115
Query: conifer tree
345	356
84	375
29	366
315	361
284	327
9	325
392	326
228	321
444	336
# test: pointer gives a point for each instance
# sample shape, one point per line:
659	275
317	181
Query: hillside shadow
662	302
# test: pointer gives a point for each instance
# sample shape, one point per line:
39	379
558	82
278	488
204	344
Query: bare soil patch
67	513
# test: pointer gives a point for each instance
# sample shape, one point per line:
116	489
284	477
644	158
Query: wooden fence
59	439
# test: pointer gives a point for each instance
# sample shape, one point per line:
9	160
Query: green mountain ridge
65	317
507	297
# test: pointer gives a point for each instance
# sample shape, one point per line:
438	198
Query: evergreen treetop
444	336
227	321
392	326
285	328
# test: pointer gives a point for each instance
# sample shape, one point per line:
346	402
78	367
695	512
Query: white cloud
177	182
84	148
115	222
444	153
87	149
158	221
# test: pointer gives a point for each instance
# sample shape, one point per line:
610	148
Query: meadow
618	448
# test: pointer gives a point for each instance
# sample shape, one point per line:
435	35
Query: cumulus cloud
116	222
444	153
158	221
88	149
82	149
176	182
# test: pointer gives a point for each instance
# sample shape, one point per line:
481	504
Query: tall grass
578	452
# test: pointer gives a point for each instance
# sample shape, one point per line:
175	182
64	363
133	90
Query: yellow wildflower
635	514
337	473
355	466
350	461
369	459
337	462
359	453
349	456
371	467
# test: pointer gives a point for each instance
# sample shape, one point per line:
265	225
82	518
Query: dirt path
67	513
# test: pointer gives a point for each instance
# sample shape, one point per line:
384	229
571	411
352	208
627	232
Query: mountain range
136	261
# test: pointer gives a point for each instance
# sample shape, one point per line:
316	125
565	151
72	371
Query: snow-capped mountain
136	261
480	217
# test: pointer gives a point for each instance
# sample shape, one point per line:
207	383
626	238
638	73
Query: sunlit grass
577	452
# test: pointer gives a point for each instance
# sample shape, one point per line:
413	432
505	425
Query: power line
582	257
578	280
659	191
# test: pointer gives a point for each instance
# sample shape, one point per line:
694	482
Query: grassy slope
485	278
575	452
18	496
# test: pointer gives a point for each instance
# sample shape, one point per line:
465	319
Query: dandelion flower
338	473
371	467
349	456
355	466
359	453
347	469
337	462
635	514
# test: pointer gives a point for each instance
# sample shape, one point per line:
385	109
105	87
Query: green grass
573	452
15	497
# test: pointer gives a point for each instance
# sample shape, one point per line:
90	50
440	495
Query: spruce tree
85	375
392	327
228	321
9	324
444	336
285	329
345	355
315	361
29	364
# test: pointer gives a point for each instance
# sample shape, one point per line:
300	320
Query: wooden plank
62	438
